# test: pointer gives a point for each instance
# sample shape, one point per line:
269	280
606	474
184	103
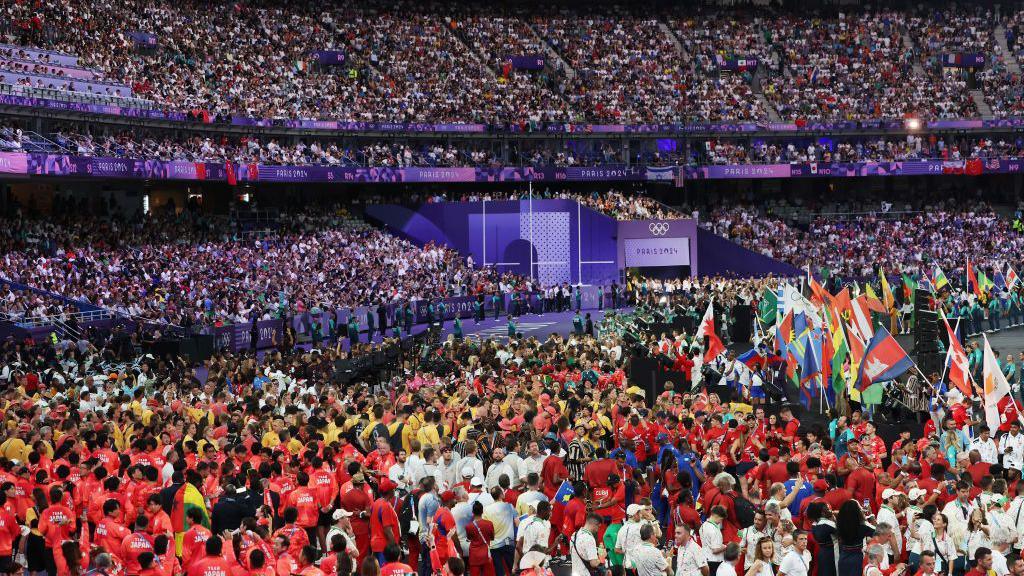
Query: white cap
341	513
467	471
532	559
633	509
476	481
889	493
916	493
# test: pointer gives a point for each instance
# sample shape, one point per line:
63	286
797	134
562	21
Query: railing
56	319
64	95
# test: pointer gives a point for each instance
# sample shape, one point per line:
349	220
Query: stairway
667	31
562	66
1009	57
466	46
984	110
773	114
909	44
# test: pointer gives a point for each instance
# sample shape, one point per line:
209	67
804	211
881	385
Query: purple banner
643	252
858	169
962	60
144	39
657	243
736	64
238	337
19	163
62	165
329	57
13	163
528	62
38	54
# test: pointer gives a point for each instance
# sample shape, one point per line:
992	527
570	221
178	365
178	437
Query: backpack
395	440
380	431
745	510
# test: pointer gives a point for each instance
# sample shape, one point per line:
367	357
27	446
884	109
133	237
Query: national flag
972	281
810	363
784	333
884	359
827	354
984	283
843	304
861	318
707	330
818	293
840	353
857	346
874	303
810	366
910	288
200	170
565	493
995	386
959	370
888	300
186	498
800	324
229	169
939	279
751	358
768	307
1011	277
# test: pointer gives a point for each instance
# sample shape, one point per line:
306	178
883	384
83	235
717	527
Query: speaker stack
927	334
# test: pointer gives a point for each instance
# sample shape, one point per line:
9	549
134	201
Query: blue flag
565	493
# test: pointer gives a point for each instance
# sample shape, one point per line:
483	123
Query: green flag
872	395
768	307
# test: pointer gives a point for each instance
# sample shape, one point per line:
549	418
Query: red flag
818	293
200	170
229	169
707	330
973	167
959	370
972	280
884	359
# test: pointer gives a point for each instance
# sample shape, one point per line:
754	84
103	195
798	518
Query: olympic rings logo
658	228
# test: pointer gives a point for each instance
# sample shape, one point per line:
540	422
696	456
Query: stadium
707	288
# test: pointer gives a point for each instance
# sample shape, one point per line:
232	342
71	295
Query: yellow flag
887	298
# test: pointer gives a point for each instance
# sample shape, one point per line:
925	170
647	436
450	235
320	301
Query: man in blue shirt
804	491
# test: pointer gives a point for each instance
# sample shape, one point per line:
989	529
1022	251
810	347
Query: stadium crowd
188	270
856	244
619	204
910	147
544	458
443	63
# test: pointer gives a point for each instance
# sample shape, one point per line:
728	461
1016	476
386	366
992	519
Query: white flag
996	387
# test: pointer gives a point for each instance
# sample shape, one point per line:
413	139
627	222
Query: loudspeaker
741	328
930	362
165	347
204	346
643	372
187	347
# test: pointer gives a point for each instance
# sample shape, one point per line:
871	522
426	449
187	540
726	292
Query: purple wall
722	257
564	241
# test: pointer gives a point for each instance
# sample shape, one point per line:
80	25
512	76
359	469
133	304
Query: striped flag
186	498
